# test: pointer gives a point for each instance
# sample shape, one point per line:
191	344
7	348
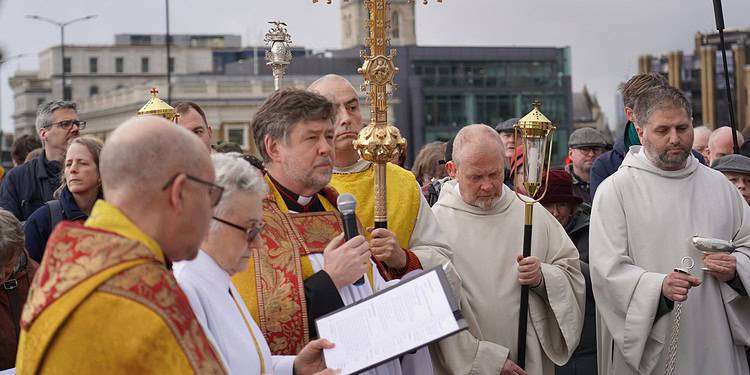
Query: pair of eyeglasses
251	233
67	124
214	191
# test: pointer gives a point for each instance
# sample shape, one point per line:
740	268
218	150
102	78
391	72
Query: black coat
39	225
583	361
28	186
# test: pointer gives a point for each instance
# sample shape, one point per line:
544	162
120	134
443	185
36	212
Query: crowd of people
158	251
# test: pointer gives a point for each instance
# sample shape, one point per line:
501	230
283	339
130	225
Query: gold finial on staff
157	107
379	141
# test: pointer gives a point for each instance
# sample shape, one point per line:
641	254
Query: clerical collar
295	202
357	167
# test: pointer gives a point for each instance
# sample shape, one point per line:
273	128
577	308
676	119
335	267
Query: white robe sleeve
185	281
738	306
464	353
428	244
557	311
627	296
282	364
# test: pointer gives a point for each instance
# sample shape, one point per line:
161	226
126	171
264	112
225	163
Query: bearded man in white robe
483	222
642	222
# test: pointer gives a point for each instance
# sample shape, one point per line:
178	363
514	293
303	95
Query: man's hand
346	262
529	271
676	285
385	248
510	368
310	359
722	266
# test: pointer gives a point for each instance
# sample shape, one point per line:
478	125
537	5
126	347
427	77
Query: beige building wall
708	95
644	64
354	15
229	102
740	61
29	92
674	65
33	88
106	77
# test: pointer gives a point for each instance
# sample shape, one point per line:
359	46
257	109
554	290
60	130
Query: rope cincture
687	264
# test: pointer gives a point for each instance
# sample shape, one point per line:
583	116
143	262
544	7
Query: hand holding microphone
347	257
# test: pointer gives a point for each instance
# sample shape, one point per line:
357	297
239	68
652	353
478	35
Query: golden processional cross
379	141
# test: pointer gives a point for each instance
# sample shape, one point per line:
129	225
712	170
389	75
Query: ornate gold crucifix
379	141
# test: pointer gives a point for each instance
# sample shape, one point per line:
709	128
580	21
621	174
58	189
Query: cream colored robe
641	225
485	245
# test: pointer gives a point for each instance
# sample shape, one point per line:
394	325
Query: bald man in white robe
483	222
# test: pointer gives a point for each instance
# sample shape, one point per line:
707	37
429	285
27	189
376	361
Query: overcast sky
605	36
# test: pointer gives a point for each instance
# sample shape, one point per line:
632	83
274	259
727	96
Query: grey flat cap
587	137
507	125
732	163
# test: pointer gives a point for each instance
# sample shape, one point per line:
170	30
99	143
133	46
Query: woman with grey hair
206	280
16	273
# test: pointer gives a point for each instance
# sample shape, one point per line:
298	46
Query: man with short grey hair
643	218
29	186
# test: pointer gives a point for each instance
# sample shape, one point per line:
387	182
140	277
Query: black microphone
347	205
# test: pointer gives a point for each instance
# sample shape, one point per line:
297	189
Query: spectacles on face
251	233
591	150
67	124
214	191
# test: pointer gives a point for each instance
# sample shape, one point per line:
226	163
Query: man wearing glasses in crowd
28	186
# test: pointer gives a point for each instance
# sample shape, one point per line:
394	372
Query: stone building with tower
700	75
440	88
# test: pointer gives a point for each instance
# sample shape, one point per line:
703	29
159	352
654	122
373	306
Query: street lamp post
169	54
61	25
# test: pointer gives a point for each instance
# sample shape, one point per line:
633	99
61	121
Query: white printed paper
399	320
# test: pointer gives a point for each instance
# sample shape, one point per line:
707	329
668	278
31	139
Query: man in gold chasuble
104	300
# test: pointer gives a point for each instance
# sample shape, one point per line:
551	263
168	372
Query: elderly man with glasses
226	250
28	186
108	301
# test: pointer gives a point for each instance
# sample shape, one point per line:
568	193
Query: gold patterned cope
103	303
273	285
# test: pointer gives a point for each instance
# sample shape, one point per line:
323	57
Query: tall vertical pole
719	13
169	56
62	54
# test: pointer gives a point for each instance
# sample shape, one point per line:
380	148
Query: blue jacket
39	225
28	186
608	163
